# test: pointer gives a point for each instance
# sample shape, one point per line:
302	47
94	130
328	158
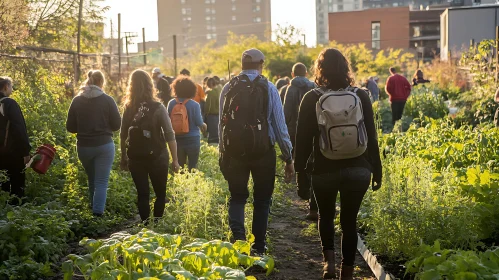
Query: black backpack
141	144
4	129
245	128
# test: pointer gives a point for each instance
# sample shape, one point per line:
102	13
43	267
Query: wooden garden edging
372	261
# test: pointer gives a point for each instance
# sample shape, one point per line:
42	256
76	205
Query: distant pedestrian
144	133
200	94
345	150
14	141
187	120
218	82
282	85
295	92
418	78
252	122
162	85
372	86
398	89
212	110
94	116
205	80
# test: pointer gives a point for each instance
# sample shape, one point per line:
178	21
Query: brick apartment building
201	21
384	28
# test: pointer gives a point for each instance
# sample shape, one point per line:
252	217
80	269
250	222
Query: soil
296	248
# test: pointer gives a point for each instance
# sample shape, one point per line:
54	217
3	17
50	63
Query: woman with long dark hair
348	176
145	130
418	78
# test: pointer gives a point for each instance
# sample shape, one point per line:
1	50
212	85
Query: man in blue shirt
236	171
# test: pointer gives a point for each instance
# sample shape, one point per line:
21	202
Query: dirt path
295	245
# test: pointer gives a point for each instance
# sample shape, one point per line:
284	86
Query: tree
13	23
54	23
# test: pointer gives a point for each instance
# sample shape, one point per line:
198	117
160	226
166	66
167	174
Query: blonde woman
145	130
94	116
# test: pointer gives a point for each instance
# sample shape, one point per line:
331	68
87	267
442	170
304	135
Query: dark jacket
164	90
93	116
372	86
417	81
18	139
307	140
294	94
282	92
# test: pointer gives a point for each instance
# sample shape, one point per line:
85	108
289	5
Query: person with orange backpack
185	114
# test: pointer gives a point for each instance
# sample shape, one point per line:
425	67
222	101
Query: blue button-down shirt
278	131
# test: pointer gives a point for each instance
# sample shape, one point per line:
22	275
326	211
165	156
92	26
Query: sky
135	16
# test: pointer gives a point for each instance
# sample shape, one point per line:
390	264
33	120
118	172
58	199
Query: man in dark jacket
162	85
14	141
298	87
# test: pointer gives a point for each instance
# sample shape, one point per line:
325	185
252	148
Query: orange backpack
179	118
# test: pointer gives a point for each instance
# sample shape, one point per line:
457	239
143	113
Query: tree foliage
53	23
13	23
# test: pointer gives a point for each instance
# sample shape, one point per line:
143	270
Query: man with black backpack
251	121
298	87
14	141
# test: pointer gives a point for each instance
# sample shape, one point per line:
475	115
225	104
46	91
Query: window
417	31
376	35
183	1
208	11
257	19
208	18
208	27
207	1
256	8
356	7
234	18
340	7
208	36
213	1
213	11
233	7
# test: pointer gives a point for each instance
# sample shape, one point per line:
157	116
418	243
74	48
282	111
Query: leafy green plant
164	256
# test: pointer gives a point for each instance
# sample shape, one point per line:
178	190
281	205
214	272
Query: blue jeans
212	122
352	184
188	152
97	162
237	174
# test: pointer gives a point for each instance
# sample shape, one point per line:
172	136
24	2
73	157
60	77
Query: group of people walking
325	131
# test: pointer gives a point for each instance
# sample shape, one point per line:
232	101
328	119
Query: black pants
397	110
14	165
157	171
237	173
352	184
306	179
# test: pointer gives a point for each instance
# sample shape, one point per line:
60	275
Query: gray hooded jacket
298	88
93	116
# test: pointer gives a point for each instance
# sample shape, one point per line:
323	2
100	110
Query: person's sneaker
312	216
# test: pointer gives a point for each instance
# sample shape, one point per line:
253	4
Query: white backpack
343	133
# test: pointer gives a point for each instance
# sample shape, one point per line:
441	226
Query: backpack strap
1	107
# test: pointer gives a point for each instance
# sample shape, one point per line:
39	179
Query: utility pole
144	45
78	44
120	43
304	42
128	36
175	53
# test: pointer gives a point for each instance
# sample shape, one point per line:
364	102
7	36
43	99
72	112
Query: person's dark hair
170	79
282	82
211	83
418	74
217	80
184	87
185	72
4	81
140	89
332	70
393	70
299	70
205	79
251	65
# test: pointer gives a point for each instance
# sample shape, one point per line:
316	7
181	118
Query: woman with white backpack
336	123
